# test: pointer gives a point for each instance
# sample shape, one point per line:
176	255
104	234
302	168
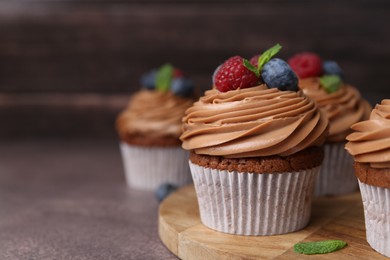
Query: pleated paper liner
254	204
376	203
146	168
336	176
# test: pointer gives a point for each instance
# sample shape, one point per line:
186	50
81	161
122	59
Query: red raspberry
255	59
306	64
177	73
233	75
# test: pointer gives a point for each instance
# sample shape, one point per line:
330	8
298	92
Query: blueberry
148	80
278	74
182	87
164	190
332	68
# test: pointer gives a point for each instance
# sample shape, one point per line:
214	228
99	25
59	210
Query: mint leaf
263	59
319	247
331	83
267	55
164	77
250	67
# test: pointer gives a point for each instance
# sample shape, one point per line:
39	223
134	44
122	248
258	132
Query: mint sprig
164	77
319	247
331	83
251	67
263	59
267	55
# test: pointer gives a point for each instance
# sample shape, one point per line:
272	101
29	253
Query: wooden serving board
182	232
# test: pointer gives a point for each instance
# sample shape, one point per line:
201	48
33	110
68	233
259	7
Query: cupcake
370	147
149	129
255	143
344	106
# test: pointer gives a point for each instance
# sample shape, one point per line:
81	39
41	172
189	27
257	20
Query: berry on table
277	74
182	87
233	75
164	190
306	64
332	68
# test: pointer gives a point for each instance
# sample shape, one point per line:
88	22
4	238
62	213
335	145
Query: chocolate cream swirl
343	107
153	114
253	122
370	143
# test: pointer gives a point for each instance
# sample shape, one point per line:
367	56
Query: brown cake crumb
306	159
147	141
372	176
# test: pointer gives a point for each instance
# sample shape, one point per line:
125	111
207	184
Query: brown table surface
67	199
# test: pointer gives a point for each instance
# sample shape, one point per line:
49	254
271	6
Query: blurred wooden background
68	66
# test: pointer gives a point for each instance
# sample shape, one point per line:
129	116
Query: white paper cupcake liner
146	168
337	173
376	202
254	204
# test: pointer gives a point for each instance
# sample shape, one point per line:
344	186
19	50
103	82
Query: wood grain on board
341	217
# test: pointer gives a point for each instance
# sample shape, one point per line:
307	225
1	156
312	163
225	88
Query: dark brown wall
74	48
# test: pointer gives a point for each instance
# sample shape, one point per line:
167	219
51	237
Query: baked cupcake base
148	167
252	203
337	174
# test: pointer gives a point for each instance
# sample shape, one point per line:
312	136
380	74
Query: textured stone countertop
67	199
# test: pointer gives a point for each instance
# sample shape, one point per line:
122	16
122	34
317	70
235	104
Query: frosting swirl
343	107
253	122
370	143
153	114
